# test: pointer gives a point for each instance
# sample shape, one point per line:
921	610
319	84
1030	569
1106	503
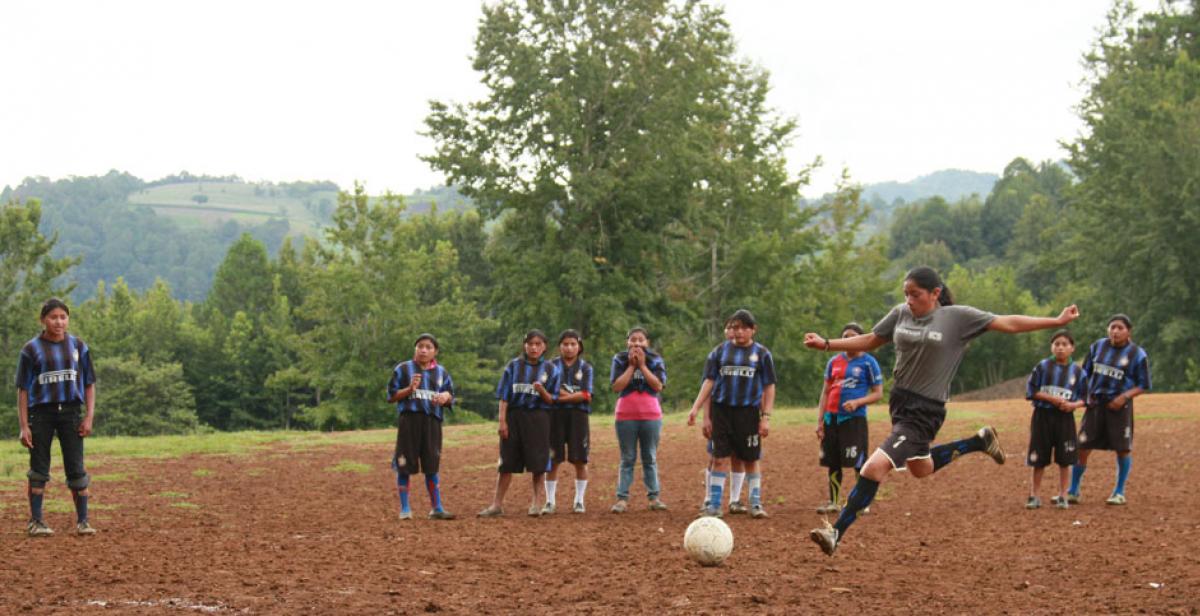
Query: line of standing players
544	407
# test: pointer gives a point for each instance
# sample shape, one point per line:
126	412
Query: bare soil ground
286	533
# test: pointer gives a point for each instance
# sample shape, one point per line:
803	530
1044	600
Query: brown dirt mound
1006	390
281	533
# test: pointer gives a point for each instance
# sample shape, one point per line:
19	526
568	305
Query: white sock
735	486
550	486
580	490
707	482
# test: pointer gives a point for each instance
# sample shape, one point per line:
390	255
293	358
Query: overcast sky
338	90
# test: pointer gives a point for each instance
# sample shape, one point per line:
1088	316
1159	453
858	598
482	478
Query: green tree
1137	204
634	170
28	276
372	288
138	399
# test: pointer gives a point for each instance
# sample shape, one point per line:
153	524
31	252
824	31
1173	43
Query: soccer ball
708	541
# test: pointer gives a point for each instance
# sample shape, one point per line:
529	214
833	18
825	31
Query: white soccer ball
708	541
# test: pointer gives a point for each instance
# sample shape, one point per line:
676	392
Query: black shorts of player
569	436
735	432
915	423
1107	429
527	447
418	444
1051	431
845	444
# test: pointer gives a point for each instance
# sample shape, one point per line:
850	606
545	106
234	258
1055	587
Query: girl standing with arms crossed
56	394
1118	371
931	336
638	374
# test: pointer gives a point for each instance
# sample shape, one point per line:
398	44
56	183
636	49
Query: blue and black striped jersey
1052	378
516	384
1112	370
55	372
434	380
574	379
654	361
739	374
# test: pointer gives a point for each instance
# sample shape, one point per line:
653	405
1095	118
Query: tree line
626	170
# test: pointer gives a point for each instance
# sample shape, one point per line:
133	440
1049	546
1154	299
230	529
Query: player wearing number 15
931	335
421	389
739	376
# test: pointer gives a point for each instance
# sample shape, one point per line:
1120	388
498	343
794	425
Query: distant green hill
178	228
949	184
212	203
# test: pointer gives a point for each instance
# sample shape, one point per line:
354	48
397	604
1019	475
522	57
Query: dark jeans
44	421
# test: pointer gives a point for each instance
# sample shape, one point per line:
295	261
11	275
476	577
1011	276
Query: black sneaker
440	514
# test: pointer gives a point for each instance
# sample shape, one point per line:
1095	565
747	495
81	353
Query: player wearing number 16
931	335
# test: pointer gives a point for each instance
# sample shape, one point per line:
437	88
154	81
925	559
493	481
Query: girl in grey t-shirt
931	335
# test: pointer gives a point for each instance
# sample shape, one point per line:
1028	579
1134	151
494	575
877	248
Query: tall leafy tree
1137	204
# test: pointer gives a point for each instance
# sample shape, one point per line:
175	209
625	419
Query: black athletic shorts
735	432
418	444
915	423
569	436
1106	429
1052	431
845	444
527	447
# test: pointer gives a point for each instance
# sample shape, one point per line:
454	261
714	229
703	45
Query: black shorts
527	447
1106	429
1051	431
418	444
735	432
915	423
845	444
569	436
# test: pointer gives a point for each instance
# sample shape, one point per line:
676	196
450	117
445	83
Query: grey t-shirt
929	349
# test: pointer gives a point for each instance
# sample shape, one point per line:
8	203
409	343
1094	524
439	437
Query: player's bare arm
23	418
1118	403
768	405
865	342
1018	323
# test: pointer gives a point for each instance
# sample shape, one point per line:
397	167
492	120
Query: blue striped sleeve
504	388
768	364
1034	384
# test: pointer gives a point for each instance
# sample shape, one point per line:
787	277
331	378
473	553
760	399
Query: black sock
945	454
860	497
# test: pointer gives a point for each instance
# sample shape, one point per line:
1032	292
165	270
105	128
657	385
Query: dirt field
285	534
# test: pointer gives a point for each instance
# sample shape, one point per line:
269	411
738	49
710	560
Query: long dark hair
928	279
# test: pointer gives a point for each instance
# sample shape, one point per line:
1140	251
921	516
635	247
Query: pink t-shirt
638	405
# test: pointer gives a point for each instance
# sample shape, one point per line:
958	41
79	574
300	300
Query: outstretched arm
1017	323
864	342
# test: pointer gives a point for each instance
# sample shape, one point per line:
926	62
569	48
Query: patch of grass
170	494
255	472
1145	416
349	466
203	472
185	505
113	477
62	506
